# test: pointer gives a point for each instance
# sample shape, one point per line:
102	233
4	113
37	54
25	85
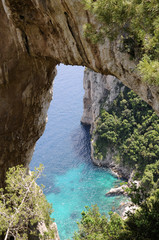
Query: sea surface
71	180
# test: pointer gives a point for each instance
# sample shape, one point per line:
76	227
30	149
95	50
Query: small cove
71	180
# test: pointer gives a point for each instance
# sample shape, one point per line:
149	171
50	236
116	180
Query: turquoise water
71	180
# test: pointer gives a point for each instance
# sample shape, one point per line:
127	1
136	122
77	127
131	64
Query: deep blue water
71	180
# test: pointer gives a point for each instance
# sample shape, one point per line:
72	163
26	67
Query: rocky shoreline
119	170
117	191
122	173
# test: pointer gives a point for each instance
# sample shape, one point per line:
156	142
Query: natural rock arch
35	36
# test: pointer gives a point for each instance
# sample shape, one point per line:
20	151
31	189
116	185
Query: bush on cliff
132	128
144	223
141	225
23	205
93	225
136	23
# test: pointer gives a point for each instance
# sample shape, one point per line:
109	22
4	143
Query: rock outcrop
43	229
117	191
34	37
99	90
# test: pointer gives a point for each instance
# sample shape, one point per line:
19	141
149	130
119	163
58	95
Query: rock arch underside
35	36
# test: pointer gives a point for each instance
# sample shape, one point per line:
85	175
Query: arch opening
72	181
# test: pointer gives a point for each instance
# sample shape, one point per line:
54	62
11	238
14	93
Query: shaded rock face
25	94
34	37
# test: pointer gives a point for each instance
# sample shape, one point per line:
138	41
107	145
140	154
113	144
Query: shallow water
71	180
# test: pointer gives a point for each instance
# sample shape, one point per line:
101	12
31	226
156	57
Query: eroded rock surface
34	37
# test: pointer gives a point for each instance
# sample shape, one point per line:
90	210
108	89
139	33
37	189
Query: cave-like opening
71	180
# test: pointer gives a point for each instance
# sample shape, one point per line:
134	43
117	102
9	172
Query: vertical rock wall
99	90
25	94
23	112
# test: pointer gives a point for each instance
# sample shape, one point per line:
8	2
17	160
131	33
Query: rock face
100	91
34	37
25	94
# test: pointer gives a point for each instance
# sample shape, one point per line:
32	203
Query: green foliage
23	204
149	70
91	33
144	223
141	225
136	22
93	225
132	128
149	184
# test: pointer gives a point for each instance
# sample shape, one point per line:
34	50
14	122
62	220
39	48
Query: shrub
23	204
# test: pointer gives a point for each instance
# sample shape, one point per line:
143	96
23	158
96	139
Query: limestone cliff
101	91
34	37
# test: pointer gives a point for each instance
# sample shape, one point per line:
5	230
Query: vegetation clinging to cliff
93	225
136	22
132	128
23	205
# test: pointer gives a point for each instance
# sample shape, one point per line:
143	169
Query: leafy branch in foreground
23	204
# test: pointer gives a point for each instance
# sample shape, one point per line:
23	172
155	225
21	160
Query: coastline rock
117	191
101	91
43	229
126	207
119	170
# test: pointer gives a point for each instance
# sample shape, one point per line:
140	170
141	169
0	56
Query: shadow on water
80	140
